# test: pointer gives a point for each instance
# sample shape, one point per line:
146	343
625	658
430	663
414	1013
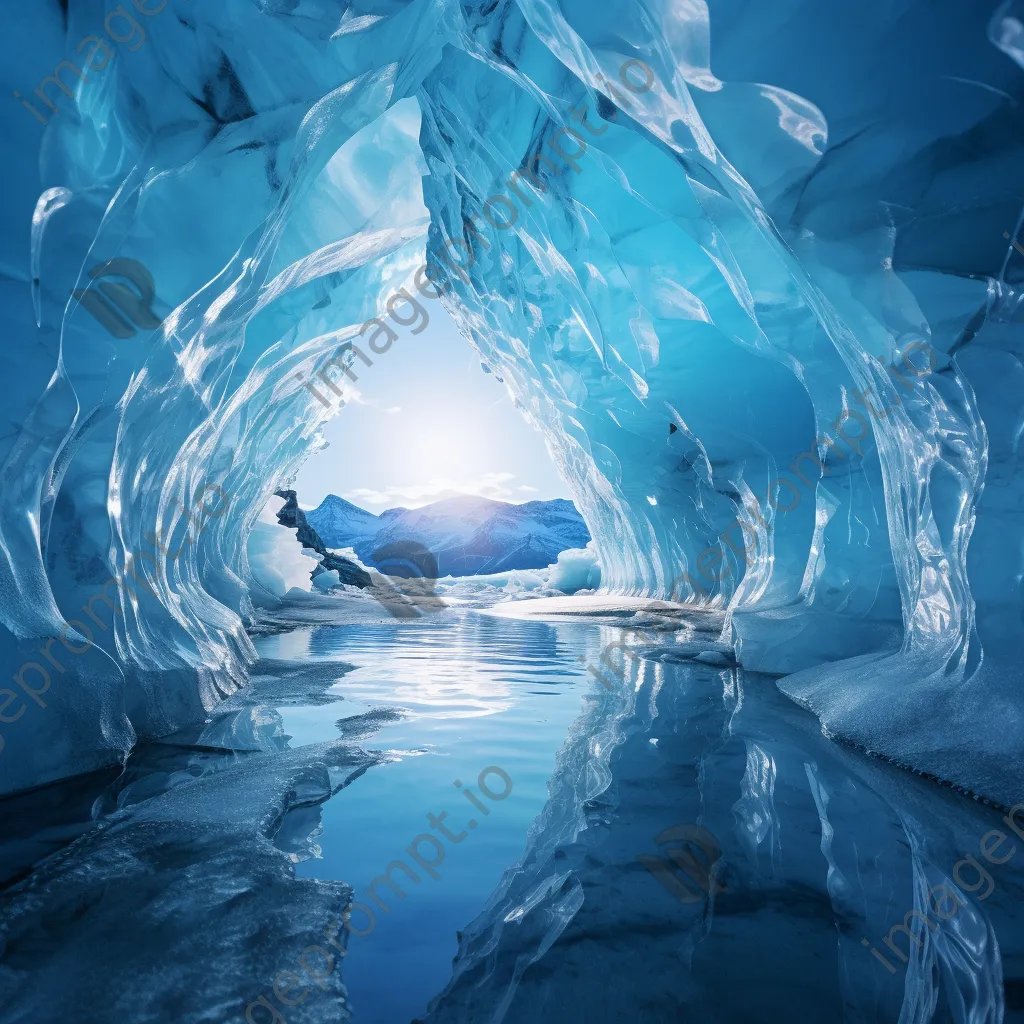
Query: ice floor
679	842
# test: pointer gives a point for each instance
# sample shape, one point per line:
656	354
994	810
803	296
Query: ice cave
729	732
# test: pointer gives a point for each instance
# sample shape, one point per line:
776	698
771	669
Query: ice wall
264	170
767	320
747	271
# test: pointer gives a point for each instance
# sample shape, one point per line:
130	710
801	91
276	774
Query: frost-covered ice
182	903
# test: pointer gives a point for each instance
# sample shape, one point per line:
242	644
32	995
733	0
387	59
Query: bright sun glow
424	423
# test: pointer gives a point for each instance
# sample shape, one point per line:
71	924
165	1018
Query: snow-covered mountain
337	518
468	535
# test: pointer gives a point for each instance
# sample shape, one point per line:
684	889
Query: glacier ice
699	242
225	810
576	569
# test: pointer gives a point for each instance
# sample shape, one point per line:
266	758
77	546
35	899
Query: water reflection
681	843
823	851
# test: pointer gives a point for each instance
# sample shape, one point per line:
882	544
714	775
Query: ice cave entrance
742	281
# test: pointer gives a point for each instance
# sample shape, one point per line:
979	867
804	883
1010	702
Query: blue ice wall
265	171
758	298
767	321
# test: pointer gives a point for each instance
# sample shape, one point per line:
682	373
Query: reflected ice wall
733	268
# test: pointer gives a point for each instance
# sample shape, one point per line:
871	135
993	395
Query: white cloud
488	485
353	396
527	488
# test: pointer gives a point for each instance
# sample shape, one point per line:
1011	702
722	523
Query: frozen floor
679	842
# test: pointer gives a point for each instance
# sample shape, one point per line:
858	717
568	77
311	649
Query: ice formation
750	268
576	569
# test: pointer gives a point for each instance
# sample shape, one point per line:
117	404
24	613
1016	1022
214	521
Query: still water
651	835
794	856
472	691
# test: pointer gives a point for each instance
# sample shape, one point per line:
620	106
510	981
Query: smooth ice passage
749	748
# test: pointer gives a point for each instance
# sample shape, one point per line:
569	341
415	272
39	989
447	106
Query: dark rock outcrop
294	518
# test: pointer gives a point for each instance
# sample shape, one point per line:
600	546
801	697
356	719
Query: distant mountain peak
468	534
333	501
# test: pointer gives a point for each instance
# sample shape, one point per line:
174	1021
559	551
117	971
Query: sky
423	423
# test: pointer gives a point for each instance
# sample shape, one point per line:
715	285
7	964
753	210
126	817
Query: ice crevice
745	268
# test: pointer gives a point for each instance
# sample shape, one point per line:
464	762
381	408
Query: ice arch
699	241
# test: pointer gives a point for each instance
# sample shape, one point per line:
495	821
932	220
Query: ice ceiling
754	281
